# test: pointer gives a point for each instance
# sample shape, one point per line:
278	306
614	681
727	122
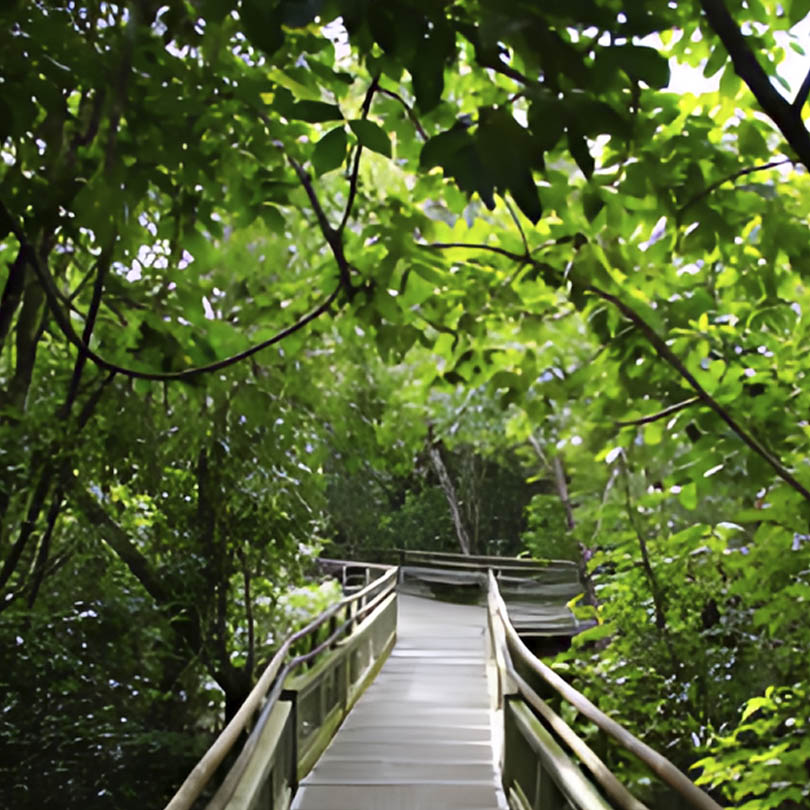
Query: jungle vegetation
461	274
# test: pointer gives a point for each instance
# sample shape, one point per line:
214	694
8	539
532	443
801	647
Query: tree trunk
12	295
558	469
449	490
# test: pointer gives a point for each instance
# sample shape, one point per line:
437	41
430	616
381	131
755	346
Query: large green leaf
639	62
330	151
510	153
371	135
262	25
311	111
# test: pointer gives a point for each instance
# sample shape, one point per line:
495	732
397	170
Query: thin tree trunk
655	589
29	329
557	468
44	549
12	295
449	490
562	491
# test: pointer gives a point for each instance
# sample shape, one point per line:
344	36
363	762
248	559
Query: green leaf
442	148
754	705
314	112
547	121
715	61
473	175
799	9
272	217
371	135
592	204
427	67
578	147
639	62
330	151
752	143
428	82
262	25
688	496
509	151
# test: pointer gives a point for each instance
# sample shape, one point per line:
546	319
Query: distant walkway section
420	738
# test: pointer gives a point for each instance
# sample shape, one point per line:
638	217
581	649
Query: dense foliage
276	271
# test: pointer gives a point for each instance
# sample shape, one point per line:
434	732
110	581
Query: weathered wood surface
536	594
421	736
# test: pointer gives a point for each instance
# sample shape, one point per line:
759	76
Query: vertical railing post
292	696
509	747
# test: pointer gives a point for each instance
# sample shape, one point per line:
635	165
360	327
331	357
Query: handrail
476	561
327	561
506	641
484	559
230	782
273	674
658	764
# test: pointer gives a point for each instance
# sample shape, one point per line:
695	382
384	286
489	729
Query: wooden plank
420	737
318	742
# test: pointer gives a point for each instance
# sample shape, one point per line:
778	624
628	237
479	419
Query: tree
194	196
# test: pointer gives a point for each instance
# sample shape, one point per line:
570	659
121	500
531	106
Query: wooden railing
538	768
545	763
297	713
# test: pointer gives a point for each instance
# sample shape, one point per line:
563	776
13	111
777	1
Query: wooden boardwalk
421	736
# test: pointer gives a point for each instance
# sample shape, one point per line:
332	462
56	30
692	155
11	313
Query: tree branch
666	354
663	414
517	257
787	117
89	324
65	326
12	295
408	110
333	237
375	83
519	226
730	179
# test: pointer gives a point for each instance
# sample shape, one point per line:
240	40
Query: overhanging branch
730	179
666	354
662	414
408	111
786	116
62	319
517	257
65	326
372	89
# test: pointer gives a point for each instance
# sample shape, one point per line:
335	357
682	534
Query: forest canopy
489	276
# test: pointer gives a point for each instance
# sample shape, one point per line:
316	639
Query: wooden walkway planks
421	735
